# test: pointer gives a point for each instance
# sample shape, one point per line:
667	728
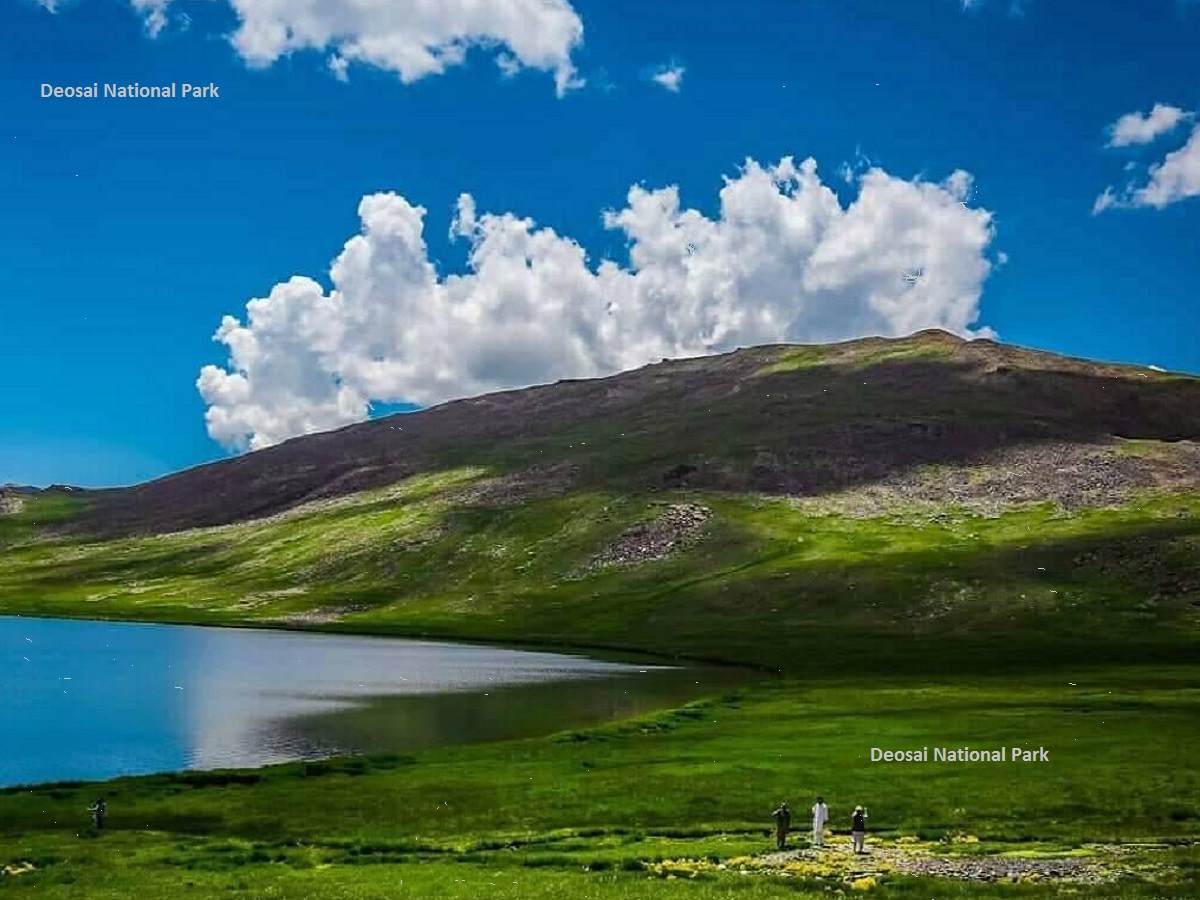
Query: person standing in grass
98	812
858	829
783	823
820	815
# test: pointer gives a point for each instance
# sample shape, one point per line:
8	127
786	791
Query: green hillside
990	506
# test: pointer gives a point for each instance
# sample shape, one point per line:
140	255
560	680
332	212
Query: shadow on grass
1128	596
49	574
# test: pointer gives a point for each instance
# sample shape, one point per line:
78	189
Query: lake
83	700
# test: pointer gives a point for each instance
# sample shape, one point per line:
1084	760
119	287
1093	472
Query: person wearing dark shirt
783	823
858	829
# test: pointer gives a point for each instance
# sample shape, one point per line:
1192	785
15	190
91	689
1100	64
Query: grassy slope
976	592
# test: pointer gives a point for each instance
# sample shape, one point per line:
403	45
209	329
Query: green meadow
654	807
914	626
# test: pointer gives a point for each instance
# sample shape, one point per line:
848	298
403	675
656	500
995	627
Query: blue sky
130	228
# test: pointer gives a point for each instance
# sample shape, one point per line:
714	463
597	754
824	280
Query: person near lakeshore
783	823
858	829
98	812
820	815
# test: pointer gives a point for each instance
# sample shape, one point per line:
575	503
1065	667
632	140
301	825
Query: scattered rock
1071	476
899	859
679	525
321	616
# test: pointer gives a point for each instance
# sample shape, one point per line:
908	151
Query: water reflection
410	723
96	699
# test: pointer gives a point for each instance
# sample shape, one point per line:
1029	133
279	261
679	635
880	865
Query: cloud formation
669	75
1016	8
782	261
1175	178
412	38
1135	128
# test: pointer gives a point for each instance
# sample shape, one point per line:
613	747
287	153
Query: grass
795	358
724	762
858	355
593	817
1144	449
37	513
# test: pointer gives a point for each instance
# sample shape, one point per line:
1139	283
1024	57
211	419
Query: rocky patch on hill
321	616
1071	476
676	527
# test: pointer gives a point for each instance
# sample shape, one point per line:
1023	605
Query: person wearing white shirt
820	815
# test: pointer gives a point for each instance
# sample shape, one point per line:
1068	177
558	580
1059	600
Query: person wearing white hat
858	828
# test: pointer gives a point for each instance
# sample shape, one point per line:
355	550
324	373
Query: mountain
907	503
785	420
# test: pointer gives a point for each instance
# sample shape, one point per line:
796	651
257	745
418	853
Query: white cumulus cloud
412	38
783	260
1136	128
1174	179
669	75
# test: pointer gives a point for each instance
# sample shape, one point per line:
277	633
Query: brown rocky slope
789	420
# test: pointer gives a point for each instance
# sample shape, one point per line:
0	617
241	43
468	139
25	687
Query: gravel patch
898	859
678	526
1072	476
321	616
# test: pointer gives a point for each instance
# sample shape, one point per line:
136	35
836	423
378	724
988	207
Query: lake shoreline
599	651
105	699
625	806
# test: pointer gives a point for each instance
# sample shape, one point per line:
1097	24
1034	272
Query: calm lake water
92	700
